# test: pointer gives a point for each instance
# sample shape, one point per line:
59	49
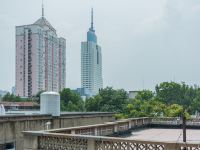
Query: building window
97	57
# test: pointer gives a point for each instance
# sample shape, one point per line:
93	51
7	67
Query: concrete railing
124	125
93	137
57	141
108	128
175	121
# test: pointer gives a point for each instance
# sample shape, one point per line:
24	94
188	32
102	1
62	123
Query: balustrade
53	141
87	137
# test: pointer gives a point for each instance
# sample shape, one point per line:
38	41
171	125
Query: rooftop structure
50	103
132	94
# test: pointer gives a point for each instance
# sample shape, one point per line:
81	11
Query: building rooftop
45	24
164	135
24	104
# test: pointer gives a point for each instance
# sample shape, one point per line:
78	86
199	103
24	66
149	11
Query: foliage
71	101
37	96
120	116
145	95
108	100
12	98
145	108
174	110
174	93
195	106
170	100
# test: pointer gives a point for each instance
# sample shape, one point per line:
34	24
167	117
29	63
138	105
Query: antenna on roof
92	19
42	8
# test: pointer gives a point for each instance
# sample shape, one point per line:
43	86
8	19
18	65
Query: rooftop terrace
101	136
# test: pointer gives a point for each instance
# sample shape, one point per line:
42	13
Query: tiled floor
165	135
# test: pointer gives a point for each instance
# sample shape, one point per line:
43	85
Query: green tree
11	98
195	106
170	99
93	103
169	92
108	99
36	97
145	95
174	110
71	101
145	108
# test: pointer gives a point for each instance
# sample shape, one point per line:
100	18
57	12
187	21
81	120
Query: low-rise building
132	94
9	106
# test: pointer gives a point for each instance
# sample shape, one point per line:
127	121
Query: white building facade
91	63
40	59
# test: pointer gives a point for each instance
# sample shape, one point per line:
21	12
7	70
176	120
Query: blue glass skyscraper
91	62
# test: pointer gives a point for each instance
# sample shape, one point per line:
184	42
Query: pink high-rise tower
40	58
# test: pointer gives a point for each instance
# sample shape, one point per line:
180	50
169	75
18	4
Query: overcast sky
144	42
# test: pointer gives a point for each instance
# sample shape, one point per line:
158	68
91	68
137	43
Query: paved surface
165	135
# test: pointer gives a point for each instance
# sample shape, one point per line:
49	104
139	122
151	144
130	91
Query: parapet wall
11	127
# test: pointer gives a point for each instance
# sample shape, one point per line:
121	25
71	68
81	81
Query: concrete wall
12	126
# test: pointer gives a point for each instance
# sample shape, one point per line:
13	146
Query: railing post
2	146
150	120
73	132
172	146
130	124
115	128
91	144
95	131
30	142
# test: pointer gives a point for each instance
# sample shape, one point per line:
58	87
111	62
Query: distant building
132	94
10	106
40	58
83	92
91	62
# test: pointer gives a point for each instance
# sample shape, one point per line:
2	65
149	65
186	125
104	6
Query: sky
144	42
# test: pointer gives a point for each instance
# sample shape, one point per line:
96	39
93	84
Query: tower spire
92	21
42	9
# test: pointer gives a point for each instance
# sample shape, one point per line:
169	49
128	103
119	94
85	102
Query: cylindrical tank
50	103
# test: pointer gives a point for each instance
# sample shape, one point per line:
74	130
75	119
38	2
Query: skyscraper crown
91	36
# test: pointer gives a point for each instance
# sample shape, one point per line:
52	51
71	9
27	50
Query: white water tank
50	103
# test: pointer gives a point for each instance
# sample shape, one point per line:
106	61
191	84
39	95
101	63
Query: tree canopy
71	101
108	100
12	98
169	99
